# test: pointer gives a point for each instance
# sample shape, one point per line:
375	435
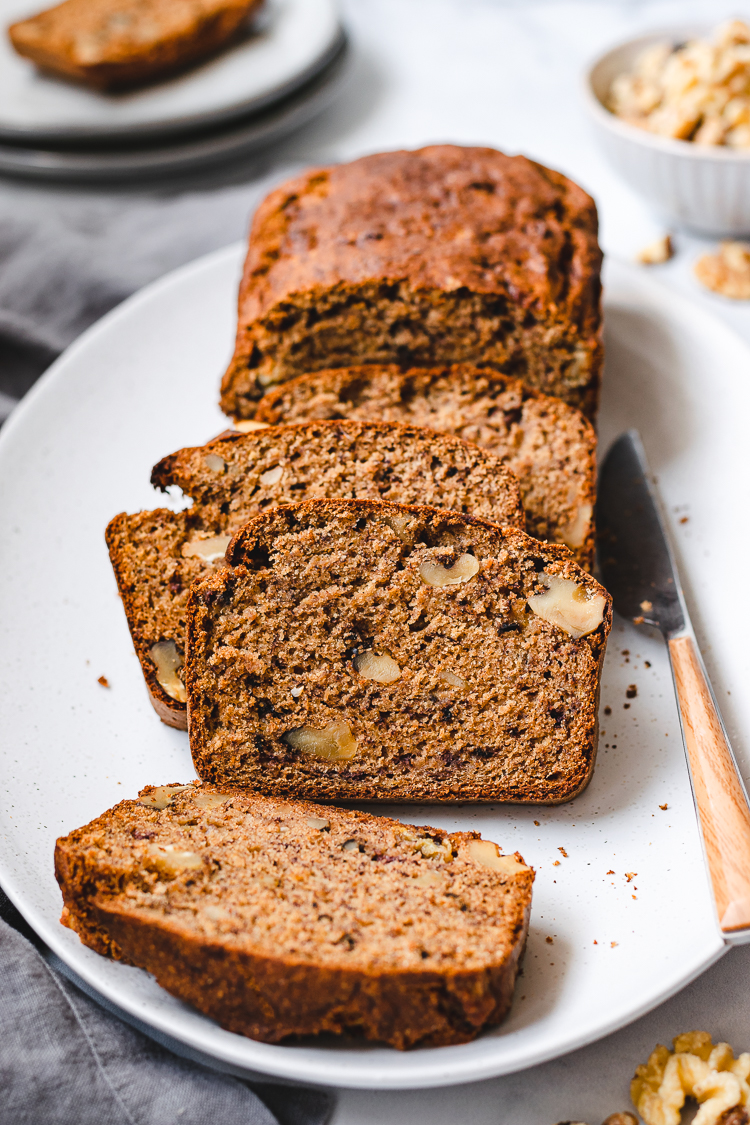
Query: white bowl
705	188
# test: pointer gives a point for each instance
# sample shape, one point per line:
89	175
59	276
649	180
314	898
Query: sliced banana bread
360	650
280	918
156	555
113	44
549	445
443	255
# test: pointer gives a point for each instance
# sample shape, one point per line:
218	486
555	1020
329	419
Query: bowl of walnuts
672	112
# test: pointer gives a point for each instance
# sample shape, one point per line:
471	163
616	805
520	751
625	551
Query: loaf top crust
444	217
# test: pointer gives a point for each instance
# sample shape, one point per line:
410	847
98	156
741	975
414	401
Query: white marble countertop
506	73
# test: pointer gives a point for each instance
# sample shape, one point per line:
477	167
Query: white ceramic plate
289	42
602	949
180	154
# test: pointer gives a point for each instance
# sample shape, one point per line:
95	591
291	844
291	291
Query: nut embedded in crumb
334	742
727	272
167	662
248	426
487	854
656	252
460	570
566	604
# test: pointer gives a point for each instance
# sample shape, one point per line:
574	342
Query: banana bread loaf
361	650
279	918
112	44
443	255
156	555
549	446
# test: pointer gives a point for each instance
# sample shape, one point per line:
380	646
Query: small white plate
181	154
603	948
288	43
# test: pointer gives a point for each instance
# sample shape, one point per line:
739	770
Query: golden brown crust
113	44
442	255
251	933
548	445
488	701
329	458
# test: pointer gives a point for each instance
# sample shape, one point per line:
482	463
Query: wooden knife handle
719	794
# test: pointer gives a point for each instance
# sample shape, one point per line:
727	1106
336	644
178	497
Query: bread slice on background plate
281	918
549	445
156	555
115	44
448	254
361	650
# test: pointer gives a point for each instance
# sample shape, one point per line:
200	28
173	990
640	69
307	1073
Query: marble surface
507	74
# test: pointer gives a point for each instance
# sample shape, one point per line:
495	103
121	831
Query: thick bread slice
449	254
549	445
112	44
367	651
280	918
156	555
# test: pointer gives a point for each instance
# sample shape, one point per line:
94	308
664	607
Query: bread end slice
282	919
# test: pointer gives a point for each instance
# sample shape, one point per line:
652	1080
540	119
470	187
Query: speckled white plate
285	46
622	915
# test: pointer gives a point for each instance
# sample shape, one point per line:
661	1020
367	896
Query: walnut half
568	605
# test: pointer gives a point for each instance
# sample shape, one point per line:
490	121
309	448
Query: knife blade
639	570
635	557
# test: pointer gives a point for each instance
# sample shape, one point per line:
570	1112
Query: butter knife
638	569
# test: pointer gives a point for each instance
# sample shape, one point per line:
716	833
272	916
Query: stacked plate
283	72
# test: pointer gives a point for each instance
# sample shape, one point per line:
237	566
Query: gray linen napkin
69	255
65	1061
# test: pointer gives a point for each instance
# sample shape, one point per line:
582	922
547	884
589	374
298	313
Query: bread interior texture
358	650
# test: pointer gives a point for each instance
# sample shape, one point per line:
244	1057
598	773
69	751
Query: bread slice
112	44
360	650
280	918
549	446
156	555
443	255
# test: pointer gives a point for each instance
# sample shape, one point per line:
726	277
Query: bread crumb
612	944
563	852
631	692
610	872
103	681
726	272
684	519
556	863
549	941
656	252
664	807
536	822
630	875
607	710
